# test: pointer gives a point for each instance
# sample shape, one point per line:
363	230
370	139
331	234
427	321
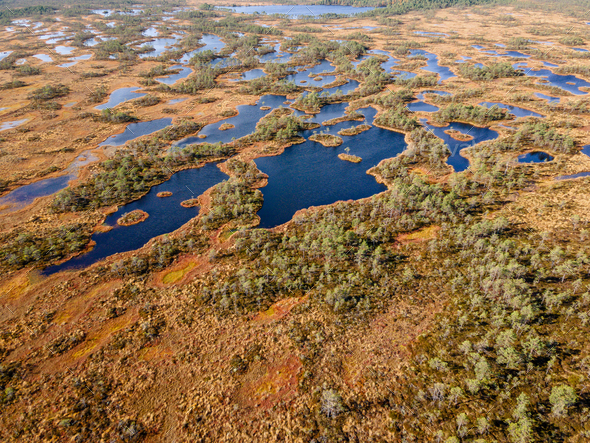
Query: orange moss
279	310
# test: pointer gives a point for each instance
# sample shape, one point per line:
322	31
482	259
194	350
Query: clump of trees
269	85
279	126
232	199
518	43
469	113
49	92
26	70
38	248
13	84
541	134
487	73
572	40
109	116
202	79
397	118
147	100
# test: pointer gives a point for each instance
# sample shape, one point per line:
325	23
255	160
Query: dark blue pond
119	96
276	56
535	157
432	64
160	46
518	112
456	160
165	215
388	64
297	11
173	78
250	75
310	174
549	98
135	130
586	150
560	81
345	88
515	54
324	70
244	122
422	106
25	195
432	91
212	43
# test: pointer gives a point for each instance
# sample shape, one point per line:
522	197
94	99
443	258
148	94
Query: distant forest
12	9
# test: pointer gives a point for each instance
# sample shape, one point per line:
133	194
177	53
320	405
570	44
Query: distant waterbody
298	11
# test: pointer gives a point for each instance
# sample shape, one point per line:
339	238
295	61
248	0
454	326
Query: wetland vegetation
321	221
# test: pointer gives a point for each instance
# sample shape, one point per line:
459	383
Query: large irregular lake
302	176
298	11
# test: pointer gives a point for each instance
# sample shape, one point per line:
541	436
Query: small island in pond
132	218
164	194
458	135
354	130
226	126
327	140
350	158
190	203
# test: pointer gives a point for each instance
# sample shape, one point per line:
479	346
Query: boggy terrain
185	255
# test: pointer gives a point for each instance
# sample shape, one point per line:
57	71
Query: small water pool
136	130
515	110
549	98
535	157
173	78
12	124
119	96
432	64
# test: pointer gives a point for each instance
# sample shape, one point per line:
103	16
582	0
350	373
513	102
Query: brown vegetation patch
103	228
346	118
327	140
354	130
458	135
132	218
190	203
350	158
14	287
268	384
419	236
101	336
279	310
164	194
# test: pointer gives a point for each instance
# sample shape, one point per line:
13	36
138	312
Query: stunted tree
331	403
561	398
